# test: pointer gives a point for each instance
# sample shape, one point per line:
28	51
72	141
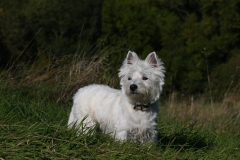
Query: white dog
127	114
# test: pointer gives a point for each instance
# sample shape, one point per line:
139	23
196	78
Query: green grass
32	126
35	105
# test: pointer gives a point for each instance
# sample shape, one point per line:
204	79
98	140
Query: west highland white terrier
127	114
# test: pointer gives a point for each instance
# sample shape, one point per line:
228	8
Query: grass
35	105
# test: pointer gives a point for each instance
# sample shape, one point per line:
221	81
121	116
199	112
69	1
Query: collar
141	107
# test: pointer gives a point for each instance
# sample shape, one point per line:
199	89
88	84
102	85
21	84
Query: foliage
227	77
37	28
193	38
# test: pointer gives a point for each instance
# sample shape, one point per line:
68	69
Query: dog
127	114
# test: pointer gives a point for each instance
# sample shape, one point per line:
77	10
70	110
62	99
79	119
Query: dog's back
95	102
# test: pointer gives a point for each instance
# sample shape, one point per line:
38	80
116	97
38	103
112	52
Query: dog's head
142	80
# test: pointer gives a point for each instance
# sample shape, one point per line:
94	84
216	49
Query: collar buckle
141	107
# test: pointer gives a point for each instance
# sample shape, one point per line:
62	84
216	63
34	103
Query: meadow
35	103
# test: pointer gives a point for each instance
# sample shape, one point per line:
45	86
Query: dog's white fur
113	110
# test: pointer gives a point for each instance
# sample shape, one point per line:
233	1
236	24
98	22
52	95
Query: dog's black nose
133	87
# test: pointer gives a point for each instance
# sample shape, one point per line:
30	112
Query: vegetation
35	104
49	49
193	38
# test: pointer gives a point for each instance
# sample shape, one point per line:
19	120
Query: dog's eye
145	78
129	78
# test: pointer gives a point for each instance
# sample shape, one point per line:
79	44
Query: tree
191	37
33	28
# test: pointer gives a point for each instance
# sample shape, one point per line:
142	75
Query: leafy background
198	41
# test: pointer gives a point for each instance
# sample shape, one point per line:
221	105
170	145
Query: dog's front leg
153	137
121	135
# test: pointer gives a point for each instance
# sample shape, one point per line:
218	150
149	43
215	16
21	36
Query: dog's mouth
134	93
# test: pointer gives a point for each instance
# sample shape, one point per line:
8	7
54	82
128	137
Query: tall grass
35	103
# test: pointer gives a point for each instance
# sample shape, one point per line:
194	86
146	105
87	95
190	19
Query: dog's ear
131	57
152	59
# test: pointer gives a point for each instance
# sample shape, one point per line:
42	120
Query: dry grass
201	111
65	75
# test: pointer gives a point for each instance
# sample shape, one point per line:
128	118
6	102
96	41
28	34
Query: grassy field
35	105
